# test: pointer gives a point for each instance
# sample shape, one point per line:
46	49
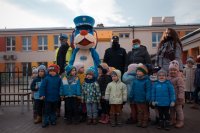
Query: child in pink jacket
176	113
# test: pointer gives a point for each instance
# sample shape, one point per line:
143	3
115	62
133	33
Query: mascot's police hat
84	20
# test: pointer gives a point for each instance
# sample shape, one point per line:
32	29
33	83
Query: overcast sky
60	13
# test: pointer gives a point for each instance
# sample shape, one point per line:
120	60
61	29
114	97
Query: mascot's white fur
85	42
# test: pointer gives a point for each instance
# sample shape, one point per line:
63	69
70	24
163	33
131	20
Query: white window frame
11	46
58	44
43	46
123	35
157	39
27	45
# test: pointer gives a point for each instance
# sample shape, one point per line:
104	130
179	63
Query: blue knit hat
41	67
91	70
68	69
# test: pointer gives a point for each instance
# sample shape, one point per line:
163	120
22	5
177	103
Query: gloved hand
172	104
124	103
154	103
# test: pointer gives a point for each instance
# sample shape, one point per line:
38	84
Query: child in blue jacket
163	96
49	92
140	95
71	93
35	85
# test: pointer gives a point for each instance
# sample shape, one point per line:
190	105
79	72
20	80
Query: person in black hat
116	55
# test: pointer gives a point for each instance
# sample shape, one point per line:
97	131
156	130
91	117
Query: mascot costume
85	42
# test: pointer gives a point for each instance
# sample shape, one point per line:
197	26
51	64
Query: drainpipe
133	30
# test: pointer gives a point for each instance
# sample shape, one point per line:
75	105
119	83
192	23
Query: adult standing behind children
169	49
116	55
139	54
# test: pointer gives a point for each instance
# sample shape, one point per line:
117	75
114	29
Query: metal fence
13	82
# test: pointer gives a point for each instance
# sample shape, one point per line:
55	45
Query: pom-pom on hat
34	70
41	67
54	67
142	68
132	67
174	64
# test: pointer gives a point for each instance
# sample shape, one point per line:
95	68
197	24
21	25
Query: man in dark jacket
139	54
115	56
62	51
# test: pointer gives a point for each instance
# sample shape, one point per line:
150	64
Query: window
56	41
26	40
10	67
156	36
10	44
27	70
42	42
124	35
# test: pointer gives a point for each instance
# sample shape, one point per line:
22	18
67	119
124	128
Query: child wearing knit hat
163	97
197	83
128	78
189	73
103	81
91	95
81	75
179	86
50	92
71	93
35	86
140	94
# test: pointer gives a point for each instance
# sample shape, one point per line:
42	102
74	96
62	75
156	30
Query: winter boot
38	119
166	125
144	124
106	119
102	119
179	124
160	124
194	106
119	120
113	120
89	121
94	121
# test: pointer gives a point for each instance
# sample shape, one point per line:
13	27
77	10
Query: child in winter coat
91	95
35	85
177	115
116	94
140	95
49	92
128	78
162	97
103	81
189	72
81	75
33	76
154	78
197	84
71	93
